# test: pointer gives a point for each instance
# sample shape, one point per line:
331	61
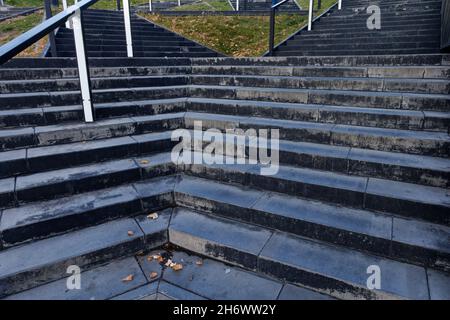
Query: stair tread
381	226
404	280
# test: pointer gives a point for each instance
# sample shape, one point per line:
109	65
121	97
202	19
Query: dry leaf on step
199	262
177	266
153	275
144	162
130	233
152	216
128	278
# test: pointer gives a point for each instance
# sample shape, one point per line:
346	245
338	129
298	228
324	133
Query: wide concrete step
97	72
71	84
77	132
409	200
40	262
353	52
326	83
430	72
356	116
121	54
73	180
403	141
295	259
224	282
65	98
49	218
382	234
431	86
367	99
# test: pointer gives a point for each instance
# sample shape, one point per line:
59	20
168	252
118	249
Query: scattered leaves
199	262
149	258
144	162
153	275
128	278
153	216
130	233
177	267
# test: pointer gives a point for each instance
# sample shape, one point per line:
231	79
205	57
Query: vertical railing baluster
310	14
271	30
237	5
83	69
150	5
339	4
127	21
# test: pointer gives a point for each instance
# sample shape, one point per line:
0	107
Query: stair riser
326	98
97	84
292	53
39	100
387	44
350	198
122	54
47	273
358	241
328	115
380	85
113	48
77	185
44	162
29	138
364	41
342	72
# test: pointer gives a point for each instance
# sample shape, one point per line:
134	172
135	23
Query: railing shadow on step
73	18
308	26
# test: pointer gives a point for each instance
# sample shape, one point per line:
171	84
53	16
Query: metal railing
72	17
445	25
273	15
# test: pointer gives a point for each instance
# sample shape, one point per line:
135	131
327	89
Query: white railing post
237	5
1	3
127	20
150	5
339	4
179	3
83	70
310	15
68	22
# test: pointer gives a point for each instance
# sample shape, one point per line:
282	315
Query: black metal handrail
445	25
17	45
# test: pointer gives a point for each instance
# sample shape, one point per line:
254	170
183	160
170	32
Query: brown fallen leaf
149	258
160	259
130	233
152	216
128	278
153	275
144	162
177	267
199	262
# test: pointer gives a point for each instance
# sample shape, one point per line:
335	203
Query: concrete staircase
363	179
407	27
105	37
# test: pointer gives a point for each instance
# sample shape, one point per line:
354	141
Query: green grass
205	5
232	35
12	28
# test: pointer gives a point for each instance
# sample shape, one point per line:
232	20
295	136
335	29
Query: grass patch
205	5
12	28
238	36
